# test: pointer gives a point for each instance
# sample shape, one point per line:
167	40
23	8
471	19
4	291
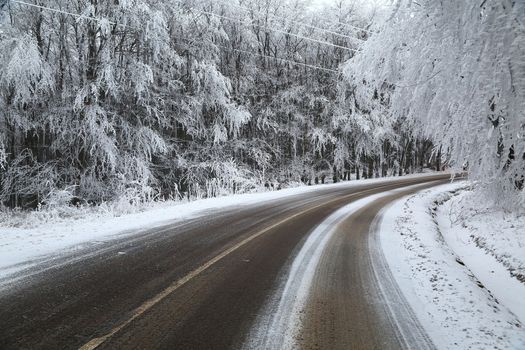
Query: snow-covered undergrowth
460	266
27	219
65	212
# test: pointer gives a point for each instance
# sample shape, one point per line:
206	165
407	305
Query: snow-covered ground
40	236
461	267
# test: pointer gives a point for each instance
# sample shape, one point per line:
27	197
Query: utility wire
224	47
276	30
67	13
309	25
79	16
245	8
274	16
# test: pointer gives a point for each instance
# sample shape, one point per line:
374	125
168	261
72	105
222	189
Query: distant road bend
303	271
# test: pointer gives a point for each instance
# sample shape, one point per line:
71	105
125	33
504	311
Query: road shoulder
446	294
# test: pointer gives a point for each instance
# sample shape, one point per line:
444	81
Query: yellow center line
95	342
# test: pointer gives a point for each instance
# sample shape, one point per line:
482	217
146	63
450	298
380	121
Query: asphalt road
203	283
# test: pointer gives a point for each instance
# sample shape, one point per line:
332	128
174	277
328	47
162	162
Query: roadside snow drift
461	274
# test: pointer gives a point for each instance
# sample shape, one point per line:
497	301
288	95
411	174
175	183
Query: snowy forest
143	100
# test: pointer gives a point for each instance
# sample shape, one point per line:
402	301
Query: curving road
224	281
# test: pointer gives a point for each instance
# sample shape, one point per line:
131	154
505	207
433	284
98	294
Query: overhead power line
97	19
248	9
80	16
301	23
66	12
275	30
307	25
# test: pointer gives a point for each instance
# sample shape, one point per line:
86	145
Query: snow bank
456	270
491	242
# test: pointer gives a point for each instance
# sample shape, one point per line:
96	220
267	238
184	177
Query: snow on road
455	271
279	324
38	241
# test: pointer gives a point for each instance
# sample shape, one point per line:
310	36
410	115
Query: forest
144	100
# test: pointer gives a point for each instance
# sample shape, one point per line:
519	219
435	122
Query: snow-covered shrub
217	178
60	198
28	182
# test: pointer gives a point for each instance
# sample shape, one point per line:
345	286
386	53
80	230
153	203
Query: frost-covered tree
141	99
454	72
